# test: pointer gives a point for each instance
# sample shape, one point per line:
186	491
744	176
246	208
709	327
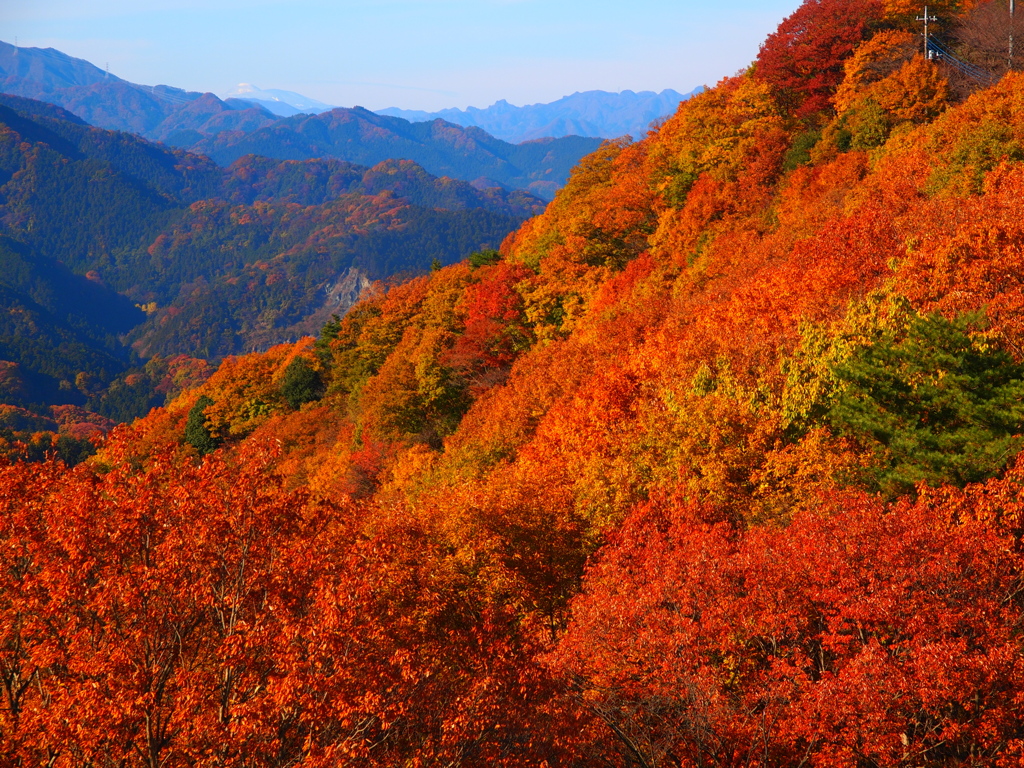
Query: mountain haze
590	113
228	129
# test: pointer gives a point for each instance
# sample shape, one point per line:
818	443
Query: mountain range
598	114
531	147
228	129
590	113
107	101
444	149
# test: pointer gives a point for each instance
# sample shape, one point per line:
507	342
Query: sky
413	54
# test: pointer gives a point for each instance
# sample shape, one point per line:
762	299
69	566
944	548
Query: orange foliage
889	71
874	60
642	381
974	261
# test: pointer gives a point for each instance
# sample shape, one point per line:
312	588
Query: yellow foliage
245	390
714	132
444	291
810	383
798	476
415	396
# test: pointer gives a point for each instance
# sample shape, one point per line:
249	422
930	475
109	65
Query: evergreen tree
301	384
484	258
940	406
197	433
328	333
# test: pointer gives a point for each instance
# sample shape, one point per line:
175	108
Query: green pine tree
197	433
938	406
301	383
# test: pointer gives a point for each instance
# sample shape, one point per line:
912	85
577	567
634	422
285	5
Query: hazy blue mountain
227	129
283	103
443	149
591	113
159	113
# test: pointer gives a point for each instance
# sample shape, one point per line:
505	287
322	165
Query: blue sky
415	54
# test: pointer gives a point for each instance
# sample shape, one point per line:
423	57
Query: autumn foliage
849	637
715	463
803	59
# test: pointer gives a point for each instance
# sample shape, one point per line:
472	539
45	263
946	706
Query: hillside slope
716	463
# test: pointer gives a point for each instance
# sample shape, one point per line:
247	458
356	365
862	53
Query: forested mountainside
591	113
226	130
715	463
357	135
109	240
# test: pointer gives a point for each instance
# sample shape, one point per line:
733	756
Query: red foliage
803	59
200	614
494	332
857	635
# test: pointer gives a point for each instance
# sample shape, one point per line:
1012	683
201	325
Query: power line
937	51
934	50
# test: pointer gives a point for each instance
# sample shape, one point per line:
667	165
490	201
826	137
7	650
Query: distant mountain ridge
157	113
228	129
594	114
359	136
591	113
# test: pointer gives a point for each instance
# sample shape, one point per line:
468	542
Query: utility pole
1009	62
926	18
